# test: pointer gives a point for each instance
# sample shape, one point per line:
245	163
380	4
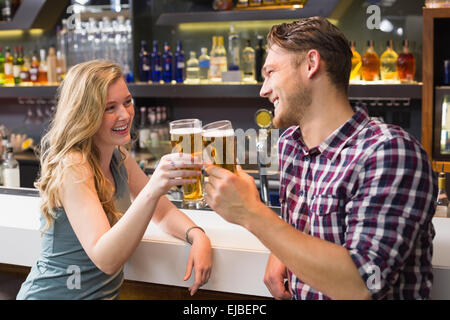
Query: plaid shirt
368	187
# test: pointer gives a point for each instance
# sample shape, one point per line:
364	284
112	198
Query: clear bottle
370	63
34	69
144	63
203	63
179	63
388	61
167	64
192	69
144	129
155	59
355	73
61	66
42	73
406	64
6	11
248	63
442	202
234	49
214	71
3	149
218	60
10	170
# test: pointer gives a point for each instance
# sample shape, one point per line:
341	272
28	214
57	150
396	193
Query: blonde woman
97	202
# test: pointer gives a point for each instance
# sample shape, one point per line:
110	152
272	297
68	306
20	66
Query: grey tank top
63	269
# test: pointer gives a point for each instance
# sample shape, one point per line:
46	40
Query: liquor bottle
355	73
388	60
203	63
34	69
167	64
10	171
260	52
156	63
370	63
25	69
218	60
242	4
192	69
248	63
144	63
214	68
254	3
42	73
3	145
16	66
179	63
6	11
442	202
51	66
220	5
61	66
221	56
233	49
2	67
144	130
8	67
406	63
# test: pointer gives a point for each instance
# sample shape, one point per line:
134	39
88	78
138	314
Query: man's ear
312	60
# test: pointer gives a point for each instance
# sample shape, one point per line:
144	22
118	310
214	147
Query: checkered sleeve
393	200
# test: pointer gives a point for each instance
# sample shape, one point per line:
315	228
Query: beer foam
183	131
218	133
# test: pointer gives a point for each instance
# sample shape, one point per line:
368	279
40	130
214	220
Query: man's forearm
325	266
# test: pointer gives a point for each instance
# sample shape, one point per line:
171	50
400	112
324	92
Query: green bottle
16	66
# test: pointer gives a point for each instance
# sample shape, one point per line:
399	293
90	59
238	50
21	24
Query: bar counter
239	258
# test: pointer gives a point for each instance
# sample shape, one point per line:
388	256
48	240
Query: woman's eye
110	108
129	102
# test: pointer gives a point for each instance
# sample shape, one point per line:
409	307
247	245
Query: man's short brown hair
319	34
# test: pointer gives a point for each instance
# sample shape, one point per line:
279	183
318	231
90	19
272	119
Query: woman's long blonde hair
82	97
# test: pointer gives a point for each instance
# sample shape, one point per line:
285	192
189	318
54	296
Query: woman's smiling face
117	117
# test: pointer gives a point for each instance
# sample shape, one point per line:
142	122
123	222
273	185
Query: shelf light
16	33
224	26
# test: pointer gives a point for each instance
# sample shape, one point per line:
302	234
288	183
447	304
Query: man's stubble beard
295	109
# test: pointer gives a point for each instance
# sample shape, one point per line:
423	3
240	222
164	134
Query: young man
357	195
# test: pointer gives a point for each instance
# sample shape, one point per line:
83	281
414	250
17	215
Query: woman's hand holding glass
175	169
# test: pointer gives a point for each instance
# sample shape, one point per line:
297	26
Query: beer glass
186	137
219	144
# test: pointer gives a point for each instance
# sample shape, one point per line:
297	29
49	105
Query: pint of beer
186	137
219	144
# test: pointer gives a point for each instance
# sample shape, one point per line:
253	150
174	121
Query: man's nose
265	90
